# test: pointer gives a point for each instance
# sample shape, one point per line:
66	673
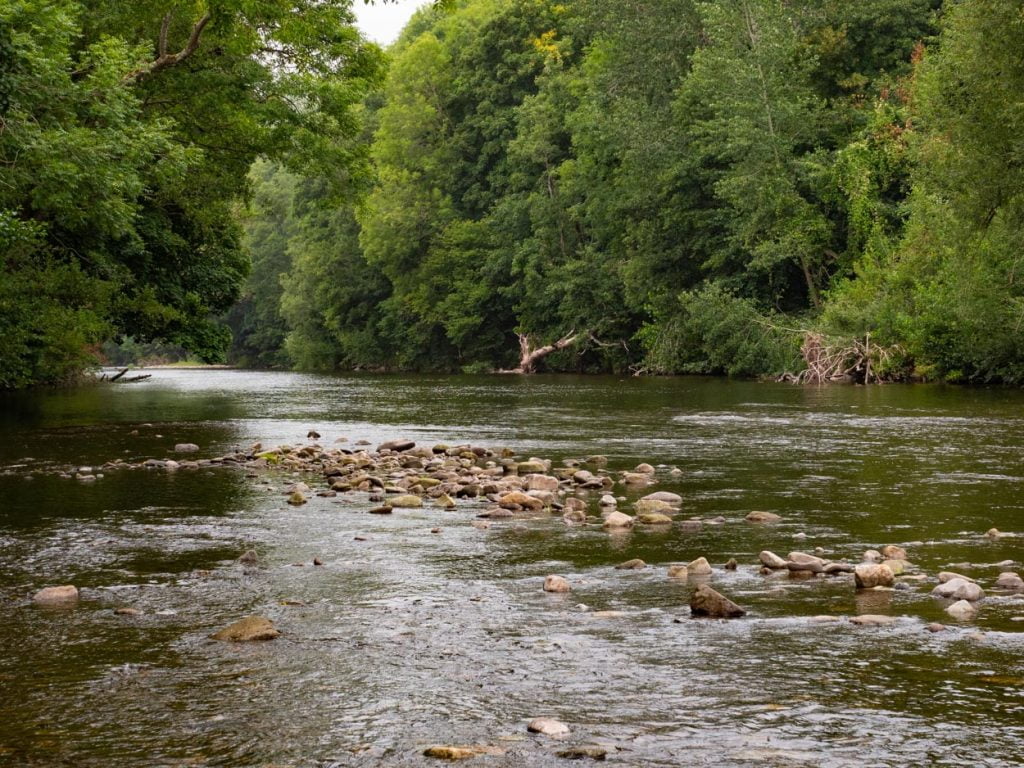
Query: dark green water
410	638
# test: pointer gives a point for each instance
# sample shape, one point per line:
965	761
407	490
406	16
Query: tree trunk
529	357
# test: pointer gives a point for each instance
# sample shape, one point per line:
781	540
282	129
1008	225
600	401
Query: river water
406	638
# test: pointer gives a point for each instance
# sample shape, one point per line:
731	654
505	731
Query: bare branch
165	60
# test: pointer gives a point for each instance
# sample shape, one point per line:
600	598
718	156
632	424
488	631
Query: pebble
548	726
66	593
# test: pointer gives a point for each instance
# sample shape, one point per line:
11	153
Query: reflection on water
406	638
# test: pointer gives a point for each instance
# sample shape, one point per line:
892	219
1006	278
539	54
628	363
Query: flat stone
124	611
763	517
186	448
583	753
542	483
406	501
653	518
636	478
635	564
945	576
451	752
707	602
872	620
66	593
548	726
959	589
800	561
666	496
771	560
249	629
397	446
558	584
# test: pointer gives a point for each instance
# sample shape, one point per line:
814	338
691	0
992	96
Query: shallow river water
407	638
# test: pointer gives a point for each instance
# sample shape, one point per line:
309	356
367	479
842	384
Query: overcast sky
382	23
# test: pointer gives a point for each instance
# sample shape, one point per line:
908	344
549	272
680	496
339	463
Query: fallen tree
529	355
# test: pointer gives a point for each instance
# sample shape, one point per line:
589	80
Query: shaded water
406	638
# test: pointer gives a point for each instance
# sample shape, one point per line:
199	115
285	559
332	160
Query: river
406	638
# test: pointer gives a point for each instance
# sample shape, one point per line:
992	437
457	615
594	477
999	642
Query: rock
872	620
945	576
313	434
531	467
771	560
959	589
645	469
67	593
699	567
555	583
1010	581
799	561
936	627
962	610
892	552
573	503
833	569
618	520
445	501
635	564
678	571
575	517
317	561
690	526
448	752
800	536
124	611
398	446
548	726
872	556
763	517
249	629
249	557
651	505
520	499
186	448
636	478
669	498
654	518
707	602
731	564
382	510
993	533
607	501
898	567
868	575
583	753
406	501
296	499
542	483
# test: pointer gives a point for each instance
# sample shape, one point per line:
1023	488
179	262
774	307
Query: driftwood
530	356
855	361
119	377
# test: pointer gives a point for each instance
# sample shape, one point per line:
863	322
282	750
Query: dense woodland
751	187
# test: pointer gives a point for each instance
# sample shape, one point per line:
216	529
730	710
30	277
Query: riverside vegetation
826	189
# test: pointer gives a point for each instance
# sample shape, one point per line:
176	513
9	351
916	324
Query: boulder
618	520
763	517
607	501
67	593
771	560
636	478
868	575
800	561
396	445
963	610
542	483
548	726
520	499
731	564
699	567
898	567
573	503
669	498
678	571
531	467
635	564
993	533
1010	581
653	518
645	468
959	589
945	576
652	505
872	620
406	501
249	629
707	602
892	552
555	583
296	499
872	556
574	517
186	448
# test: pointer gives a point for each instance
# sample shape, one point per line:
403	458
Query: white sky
382	22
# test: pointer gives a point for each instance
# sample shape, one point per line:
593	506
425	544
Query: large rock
67	593
699	567
406	500
800	561
763	517
678	571
636	478
959	589
542	483
247	630
635	564
520	499
963	610
872	620
945	576
1010	581
555	583
898	567
186	448
707	602
396	445
652	505
653	518
645	469
892	552
771	560
607	501
868	575
548	726
668	497
618	520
